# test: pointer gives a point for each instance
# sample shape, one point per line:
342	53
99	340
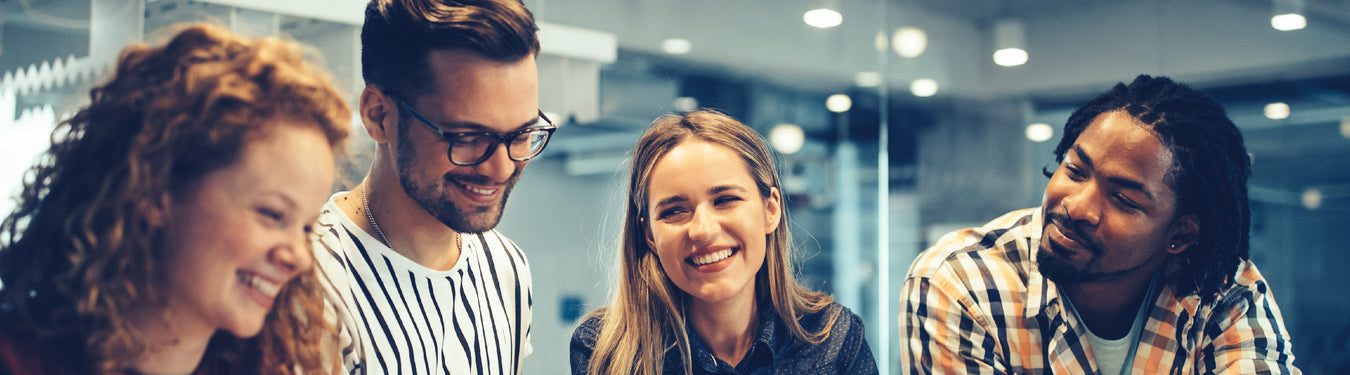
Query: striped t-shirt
397	317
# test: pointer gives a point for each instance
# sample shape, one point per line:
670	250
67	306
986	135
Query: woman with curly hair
167	228
706	284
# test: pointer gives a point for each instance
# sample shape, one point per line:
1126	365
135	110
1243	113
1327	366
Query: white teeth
479	191
712	258
263	286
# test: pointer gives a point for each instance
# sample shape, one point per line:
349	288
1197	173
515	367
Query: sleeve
940	332
855	356
526	314
1248	338
583	345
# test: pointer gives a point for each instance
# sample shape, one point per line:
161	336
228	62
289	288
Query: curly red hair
80	250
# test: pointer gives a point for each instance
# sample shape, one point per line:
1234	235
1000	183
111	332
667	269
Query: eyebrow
715	190
476	127
1119	181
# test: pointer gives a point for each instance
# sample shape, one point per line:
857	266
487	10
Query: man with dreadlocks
1136	261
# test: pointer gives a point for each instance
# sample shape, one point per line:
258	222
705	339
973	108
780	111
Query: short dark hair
398	34
1209	172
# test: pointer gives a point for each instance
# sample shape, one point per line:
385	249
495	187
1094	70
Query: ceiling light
838	103
867	79
1312	198
787	138
1040	132
909	41
822	18
880	42
1345	127
1010	57
1288	15
1010	43
1277	111
1288	22
923	87
676	46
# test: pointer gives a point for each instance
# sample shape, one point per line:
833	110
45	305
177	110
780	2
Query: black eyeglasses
472	148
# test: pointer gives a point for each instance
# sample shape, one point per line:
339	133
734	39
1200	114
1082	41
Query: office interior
895	121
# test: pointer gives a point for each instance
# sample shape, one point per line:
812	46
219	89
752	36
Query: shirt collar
1040	294
763	346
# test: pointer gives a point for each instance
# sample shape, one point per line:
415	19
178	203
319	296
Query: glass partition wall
894	121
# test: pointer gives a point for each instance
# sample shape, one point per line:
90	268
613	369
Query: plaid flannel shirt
975	303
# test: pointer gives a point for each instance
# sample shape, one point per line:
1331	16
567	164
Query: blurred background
895	121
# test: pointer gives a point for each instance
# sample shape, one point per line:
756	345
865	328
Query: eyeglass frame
497	139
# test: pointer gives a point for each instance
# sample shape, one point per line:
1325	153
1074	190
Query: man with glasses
419	281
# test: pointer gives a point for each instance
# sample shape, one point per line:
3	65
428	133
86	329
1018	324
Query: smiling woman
706	267
167	228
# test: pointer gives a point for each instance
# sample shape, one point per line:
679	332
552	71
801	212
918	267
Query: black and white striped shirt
397	317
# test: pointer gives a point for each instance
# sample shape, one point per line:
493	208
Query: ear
773	210
1184	232
647	232
378	114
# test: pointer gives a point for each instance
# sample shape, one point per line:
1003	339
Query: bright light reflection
1288	22
1010	57
822	18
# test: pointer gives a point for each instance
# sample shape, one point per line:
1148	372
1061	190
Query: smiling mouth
706	259
262	285
475	190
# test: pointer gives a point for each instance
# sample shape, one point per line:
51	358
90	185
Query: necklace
371	217
365	203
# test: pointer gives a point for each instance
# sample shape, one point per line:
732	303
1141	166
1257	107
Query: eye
467	139
1126	202
669	213
1074	172
274	216
725	199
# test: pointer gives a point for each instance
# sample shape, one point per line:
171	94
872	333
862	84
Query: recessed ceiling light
822	18
838	103
676	46
1277	111
787	138
1010	57
923	87
867	79
1288	22
909	41
1040	132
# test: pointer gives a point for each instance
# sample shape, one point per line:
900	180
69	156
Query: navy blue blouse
775	349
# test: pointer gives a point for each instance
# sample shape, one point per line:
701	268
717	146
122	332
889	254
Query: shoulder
1001	243
586	333
23	354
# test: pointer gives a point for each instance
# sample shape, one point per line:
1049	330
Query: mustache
481	180
1074	230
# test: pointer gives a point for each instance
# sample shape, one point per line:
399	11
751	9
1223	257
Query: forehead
695	166
470	88
1120	146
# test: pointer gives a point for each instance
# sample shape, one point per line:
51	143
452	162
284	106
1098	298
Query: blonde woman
167	228
706	282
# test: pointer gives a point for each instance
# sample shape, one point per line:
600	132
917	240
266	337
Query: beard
433	198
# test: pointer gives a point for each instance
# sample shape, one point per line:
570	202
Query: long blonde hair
647	312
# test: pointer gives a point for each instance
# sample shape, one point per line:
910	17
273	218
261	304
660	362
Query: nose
1083	206
498	167
295	257
703	228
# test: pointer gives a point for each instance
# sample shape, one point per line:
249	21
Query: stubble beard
436	202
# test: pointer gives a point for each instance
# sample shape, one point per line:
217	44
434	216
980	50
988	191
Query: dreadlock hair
1209	172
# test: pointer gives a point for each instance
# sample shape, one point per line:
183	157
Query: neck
411	231
172	345
728	327
1109	308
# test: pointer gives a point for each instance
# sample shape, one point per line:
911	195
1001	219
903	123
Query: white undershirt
1113	356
